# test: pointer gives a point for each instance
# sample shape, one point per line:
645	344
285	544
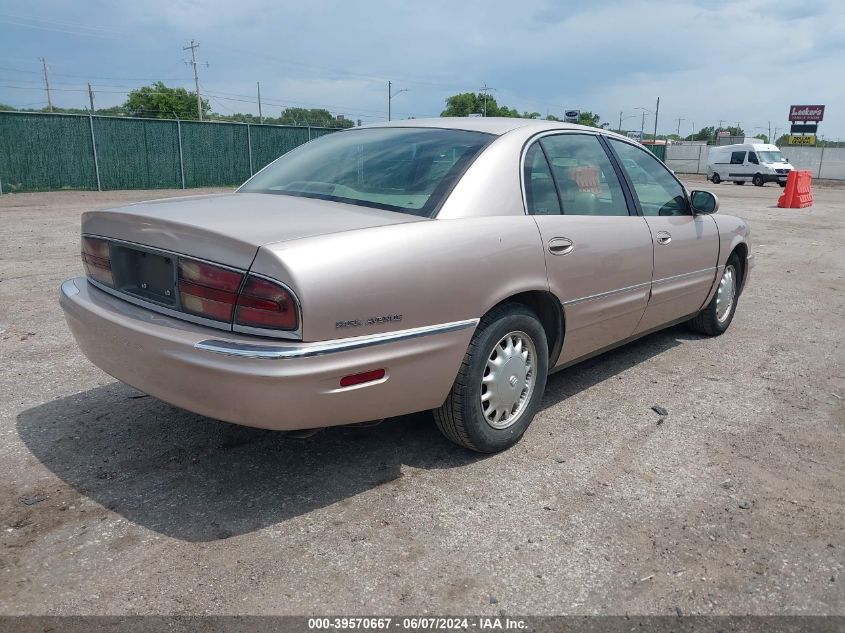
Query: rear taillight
208	291
265	304
96	259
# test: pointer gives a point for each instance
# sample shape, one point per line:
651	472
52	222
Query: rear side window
737	158
540	193
752	158
584	175
658	191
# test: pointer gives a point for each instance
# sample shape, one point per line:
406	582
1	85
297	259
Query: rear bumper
261	383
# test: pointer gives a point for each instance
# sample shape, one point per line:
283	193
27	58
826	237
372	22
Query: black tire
461	418
757	180
739	182
707	321
782	184
715	179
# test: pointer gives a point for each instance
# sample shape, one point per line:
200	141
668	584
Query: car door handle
560	246
663	237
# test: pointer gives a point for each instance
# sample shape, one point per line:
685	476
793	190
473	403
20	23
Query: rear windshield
409	170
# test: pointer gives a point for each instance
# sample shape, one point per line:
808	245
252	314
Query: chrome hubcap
508	381
725	294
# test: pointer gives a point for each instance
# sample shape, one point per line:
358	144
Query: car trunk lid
230	228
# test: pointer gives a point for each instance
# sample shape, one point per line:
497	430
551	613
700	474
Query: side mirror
704	202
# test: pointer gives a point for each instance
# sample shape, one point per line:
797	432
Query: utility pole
656	111
193	47
771	140
642	128
620	123
47	84
485	88
390	95
91	97
260	116
679	126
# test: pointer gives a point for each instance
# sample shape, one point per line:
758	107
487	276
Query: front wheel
757	180
500	382
719	313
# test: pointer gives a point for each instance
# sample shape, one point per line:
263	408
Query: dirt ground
112	502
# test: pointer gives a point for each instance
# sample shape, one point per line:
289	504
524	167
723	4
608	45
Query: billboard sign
804	128
806	113
809	139
572	116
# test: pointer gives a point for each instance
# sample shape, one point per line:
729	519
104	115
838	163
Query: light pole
621	119
642	123
390	95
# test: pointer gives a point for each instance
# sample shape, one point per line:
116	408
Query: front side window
585	176
737	158
409	170
658	191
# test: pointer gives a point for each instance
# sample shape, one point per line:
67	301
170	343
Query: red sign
806	113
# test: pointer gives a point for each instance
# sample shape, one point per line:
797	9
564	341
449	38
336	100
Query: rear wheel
715	179
757	180
719	313
500	383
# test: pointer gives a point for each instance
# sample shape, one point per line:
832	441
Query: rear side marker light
208	291
265	304
96	259
359	379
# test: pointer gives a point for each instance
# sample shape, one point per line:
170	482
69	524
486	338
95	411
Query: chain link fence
45	152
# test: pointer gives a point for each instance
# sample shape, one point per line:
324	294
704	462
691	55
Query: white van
756	162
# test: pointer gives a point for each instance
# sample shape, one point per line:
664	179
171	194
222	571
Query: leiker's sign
806	113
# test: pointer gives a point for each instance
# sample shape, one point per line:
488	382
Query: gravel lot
112	502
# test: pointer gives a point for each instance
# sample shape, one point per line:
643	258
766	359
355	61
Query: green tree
312	116
590	119
707	134
763	137
468	103
7	108
160	102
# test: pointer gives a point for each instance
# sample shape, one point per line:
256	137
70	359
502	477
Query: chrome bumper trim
306	350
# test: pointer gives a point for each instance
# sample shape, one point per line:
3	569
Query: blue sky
743	61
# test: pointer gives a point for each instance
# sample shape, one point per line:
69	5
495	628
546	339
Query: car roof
490	125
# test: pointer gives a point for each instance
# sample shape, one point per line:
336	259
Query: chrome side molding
306	350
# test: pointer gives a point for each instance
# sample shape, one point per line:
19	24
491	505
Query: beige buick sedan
443	264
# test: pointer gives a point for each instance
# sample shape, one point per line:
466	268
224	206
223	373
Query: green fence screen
42	152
